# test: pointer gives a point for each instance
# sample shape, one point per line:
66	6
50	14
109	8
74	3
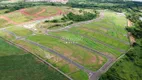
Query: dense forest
97	0
74	17
120	6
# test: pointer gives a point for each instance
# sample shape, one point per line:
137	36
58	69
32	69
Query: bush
86	16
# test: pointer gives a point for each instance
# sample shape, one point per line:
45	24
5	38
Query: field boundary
45	62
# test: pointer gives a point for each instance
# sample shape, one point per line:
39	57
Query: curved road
79	23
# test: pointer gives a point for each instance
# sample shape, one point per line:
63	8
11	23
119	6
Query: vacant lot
76	53
80	39
109	31
106	35
113	24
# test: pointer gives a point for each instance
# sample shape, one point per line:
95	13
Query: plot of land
53	59
73	52
34	13
75	38
112	24
110	31
20	31
98	39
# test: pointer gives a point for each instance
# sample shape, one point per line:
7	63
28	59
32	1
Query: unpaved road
79	23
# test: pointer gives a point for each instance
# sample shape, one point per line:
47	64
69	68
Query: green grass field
20	31
16	64
109	30
76	53
112	24
101	37
3	11
4	23
6	36
7	50
87	42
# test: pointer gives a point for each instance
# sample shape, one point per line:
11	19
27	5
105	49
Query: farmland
76	47
18	65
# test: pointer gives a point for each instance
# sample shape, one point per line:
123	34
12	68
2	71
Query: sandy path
60	12
8	20
43	10
131	37
23	11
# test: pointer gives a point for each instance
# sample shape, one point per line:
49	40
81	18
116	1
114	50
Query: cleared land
109	30
88	59
106	35
30	14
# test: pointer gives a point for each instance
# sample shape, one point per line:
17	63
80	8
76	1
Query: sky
137	0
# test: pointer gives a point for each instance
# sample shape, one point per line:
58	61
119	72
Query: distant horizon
138	0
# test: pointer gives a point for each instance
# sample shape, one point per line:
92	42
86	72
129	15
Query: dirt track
37	17
8	20
23	11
